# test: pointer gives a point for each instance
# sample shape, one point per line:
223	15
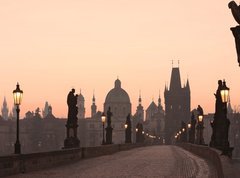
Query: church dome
117	94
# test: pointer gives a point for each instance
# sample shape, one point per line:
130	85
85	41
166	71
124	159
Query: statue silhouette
72	141
236	30
109	115
72	107
200	110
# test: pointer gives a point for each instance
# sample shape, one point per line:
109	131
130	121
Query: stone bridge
142	161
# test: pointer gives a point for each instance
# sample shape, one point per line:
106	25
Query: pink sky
50	46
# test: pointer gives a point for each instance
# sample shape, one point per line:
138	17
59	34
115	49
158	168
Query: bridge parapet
14	164
222	163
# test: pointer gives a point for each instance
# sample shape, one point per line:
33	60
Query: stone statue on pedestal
72	140
109	127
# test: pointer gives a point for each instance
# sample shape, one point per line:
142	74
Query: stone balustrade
222	163
14	164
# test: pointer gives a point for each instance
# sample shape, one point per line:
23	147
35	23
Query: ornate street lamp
17	96
224	92
128	130
103	118
200	127
221	123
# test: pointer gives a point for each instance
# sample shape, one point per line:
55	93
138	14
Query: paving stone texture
154	161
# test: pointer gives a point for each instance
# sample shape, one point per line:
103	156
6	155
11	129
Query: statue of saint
109	115
236	30
200	110
72	107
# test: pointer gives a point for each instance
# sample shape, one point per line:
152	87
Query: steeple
93	107
175	83
187	85
140	111
140	99
159	102
5	109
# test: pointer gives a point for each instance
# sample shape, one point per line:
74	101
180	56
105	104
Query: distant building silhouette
154	123
119	102
14	112
177	104
81	106
5	110
45	110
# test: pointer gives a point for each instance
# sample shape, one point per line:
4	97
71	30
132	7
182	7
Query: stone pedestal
109	135
72	140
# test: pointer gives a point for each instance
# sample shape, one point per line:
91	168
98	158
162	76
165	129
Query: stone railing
222	163
14	164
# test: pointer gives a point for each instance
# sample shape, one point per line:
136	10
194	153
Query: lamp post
109	128
200	127
220	124
188	132
128	130
17	96
192	129
103	118
139	134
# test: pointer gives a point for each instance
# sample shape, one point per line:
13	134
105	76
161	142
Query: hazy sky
50	46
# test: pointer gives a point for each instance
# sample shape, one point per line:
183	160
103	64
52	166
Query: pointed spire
166	88
139	99
175	82
4	102
93	99
159	99
187	85
93	107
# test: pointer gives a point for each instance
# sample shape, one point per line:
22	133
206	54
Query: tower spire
159	99
140	98
93	107
93	99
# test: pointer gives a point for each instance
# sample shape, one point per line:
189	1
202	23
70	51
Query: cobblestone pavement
153	161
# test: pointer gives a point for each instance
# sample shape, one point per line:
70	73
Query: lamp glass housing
125	125
200	118
103	117
224	95
189	126
17	95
